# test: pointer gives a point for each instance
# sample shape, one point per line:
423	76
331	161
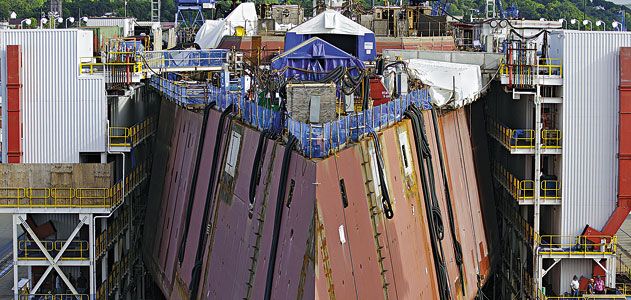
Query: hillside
529	9
550	9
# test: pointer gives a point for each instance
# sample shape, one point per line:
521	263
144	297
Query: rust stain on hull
335	242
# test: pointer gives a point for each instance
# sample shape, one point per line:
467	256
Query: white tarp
330	22
210	34
462	82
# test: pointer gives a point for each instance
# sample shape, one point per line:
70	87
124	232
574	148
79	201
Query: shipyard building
397	154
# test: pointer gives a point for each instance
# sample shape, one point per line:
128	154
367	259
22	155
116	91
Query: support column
92	254
537	276
14	229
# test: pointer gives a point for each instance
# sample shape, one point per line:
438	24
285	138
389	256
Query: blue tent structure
338	30
313	58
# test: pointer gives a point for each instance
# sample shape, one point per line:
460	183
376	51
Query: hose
385	199
434	218
256	169
196	273
191	196
450	212
278	215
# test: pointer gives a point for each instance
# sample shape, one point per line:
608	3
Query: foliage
549	9
141	9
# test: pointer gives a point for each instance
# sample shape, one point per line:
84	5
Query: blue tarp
337	29
312	59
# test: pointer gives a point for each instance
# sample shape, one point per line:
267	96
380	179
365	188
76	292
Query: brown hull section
334	242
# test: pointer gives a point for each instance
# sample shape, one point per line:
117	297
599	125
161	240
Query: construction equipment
190	12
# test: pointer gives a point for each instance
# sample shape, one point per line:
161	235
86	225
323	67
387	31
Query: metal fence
316	140
173	59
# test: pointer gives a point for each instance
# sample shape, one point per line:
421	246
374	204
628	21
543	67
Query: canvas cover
210	34
450	84
330	22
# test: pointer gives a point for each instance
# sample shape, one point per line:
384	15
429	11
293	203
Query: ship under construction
397	153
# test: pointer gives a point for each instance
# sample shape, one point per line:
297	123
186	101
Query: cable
191	197
278	215
450	214
196	272
385	200
434	218
255	177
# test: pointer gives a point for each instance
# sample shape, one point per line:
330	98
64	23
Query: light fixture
601	23
615	25
563	21
60	20
573	21
13	15
25	21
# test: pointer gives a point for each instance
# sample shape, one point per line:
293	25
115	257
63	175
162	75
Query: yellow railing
524	138
624	288
29	197
546	67
550	190
577	245
621	267
28	250
96	64
54	297
524	189
551	139
523	227
119	270
131	136
113	230
550	66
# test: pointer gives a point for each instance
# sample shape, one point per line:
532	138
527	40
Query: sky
624	2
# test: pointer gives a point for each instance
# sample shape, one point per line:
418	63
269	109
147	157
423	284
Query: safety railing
524	228
131	136
112	232
550	67
316	140
621	267
551	139
624	288
522	75
514	139
98	65
185	93
54	297
76	250
178	59
519	189
30	197
524	189
119	270
577	245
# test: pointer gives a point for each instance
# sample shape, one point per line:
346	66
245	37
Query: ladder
155	10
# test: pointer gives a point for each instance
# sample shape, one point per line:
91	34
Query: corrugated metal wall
63	113
128	24
590	136
590	128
